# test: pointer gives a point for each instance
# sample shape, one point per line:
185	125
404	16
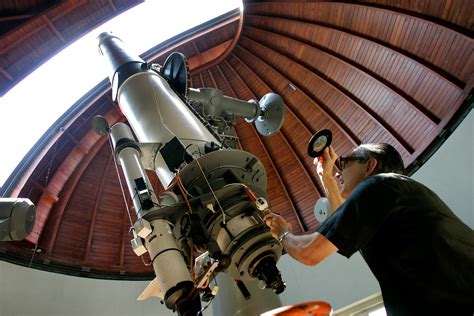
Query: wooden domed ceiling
393	71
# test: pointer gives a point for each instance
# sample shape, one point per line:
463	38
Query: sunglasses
341	162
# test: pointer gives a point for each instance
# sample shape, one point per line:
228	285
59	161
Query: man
419	251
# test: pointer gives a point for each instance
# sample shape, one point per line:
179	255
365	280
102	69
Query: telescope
17	218
208	221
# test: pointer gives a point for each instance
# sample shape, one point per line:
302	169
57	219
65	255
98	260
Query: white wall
450	171
26	291
337	280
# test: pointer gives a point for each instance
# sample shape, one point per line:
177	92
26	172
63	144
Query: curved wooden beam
85	261
65	180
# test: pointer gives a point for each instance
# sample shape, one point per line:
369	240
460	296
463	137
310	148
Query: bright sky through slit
34	104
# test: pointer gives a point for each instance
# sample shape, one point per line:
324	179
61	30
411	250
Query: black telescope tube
122	63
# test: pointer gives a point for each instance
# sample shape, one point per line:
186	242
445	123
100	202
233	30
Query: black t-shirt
419	251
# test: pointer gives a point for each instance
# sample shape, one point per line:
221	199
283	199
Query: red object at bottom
316	308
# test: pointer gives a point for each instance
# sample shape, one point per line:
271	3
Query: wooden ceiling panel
9	7
187	50
217	37
67	141
203	48
221	81
432	44
301	189
403	75
208	56
38	39
63	184
207	80
293	129
251	141
68	19
309	111
348	113
196	81
83	125
15	13
78	213
106	223
371	100
457	13
30	44
52	161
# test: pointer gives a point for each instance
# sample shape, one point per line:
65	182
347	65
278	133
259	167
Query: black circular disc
318	142
175	69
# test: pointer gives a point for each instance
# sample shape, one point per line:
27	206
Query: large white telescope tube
153	109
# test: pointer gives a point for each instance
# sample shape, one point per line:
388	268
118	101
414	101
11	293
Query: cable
212	191
183	190
194	139
192	154
181	186
205	307
250	194
33	255
205	178
215	284
48	173
191	265
171	185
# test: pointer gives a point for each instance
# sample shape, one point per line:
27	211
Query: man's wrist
283	235
328	177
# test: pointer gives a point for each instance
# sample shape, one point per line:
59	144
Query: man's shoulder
389	178
388	181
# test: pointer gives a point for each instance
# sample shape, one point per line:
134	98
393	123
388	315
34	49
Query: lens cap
318	142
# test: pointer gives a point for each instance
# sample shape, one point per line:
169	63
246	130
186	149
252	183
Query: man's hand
309	249
325	162
324	168
277	224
